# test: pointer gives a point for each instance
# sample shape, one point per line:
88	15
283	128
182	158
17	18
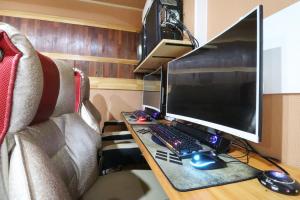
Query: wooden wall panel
55	37
76	39
291	129
105	70
76	12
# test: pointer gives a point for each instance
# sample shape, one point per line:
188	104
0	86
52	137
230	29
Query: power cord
242	143
246	154
267	158
193	40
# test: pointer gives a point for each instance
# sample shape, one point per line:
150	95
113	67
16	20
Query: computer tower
160	23
141	48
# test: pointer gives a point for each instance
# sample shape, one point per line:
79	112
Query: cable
246	154
249	149
265	157
193	40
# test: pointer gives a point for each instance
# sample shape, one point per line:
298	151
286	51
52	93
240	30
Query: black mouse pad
184	177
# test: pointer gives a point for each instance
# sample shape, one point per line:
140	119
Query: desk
245	190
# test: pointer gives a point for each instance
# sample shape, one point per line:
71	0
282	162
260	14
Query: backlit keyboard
178	142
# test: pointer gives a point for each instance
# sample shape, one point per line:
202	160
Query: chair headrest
51	84
66	96
26	96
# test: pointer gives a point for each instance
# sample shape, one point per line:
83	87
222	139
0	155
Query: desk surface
245	190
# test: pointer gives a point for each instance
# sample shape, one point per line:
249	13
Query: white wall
200	21
281	44
282	51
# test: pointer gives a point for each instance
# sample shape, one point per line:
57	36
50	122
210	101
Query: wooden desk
245	190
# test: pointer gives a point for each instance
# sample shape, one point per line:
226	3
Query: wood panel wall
55	37
92	13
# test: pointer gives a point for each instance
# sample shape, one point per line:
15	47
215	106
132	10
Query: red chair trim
8	70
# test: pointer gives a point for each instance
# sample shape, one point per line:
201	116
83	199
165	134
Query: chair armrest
113	123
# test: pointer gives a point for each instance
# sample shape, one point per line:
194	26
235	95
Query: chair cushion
32	174
66	97
126	185
93	110
4	161
82	142
89	118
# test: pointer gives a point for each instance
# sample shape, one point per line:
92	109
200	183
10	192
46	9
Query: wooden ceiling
130	4
114	14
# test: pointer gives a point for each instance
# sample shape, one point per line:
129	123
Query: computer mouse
207	161
144	119
279	182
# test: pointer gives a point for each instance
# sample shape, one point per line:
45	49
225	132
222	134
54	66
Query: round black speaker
279	182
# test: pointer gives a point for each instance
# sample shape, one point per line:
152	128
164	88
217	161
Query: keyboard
141	115
178	142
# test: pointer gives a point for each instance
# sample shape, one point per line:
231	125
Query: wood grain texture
116	84
272	127
105	70
281	128
248	190
291	129
117	4
63	56
139	4
99	52
67	20
165	51
74	11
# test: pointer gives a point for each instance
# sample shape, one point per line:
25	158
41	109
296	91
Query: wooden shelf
165	51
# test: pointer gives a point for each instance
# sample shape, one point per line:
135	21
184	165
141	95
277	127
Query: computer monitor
219	85
152	95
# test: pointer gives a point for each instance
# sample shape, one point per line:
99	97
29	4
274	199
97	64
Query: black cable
240	146
266	158
246	154
193	40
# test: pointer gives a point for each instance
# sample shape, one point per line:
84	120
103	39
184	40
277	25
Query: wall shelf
165	51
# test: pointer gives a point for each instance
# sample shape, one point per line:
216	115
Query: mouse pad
183	176
133	121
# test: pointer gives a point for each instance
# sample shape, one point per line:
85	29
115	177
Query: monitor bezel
233	131
160	95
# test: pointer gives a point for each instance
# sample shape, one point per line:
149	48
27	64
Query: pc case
159	23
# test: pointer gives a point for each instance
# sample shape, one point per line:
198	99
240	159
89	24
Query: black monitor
219	85
152	95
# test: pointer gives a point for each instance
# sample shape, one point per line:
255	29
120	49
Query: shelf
165	51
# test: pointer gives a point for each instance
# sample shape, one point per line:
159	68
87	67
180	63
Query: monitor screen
152	90
219	84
